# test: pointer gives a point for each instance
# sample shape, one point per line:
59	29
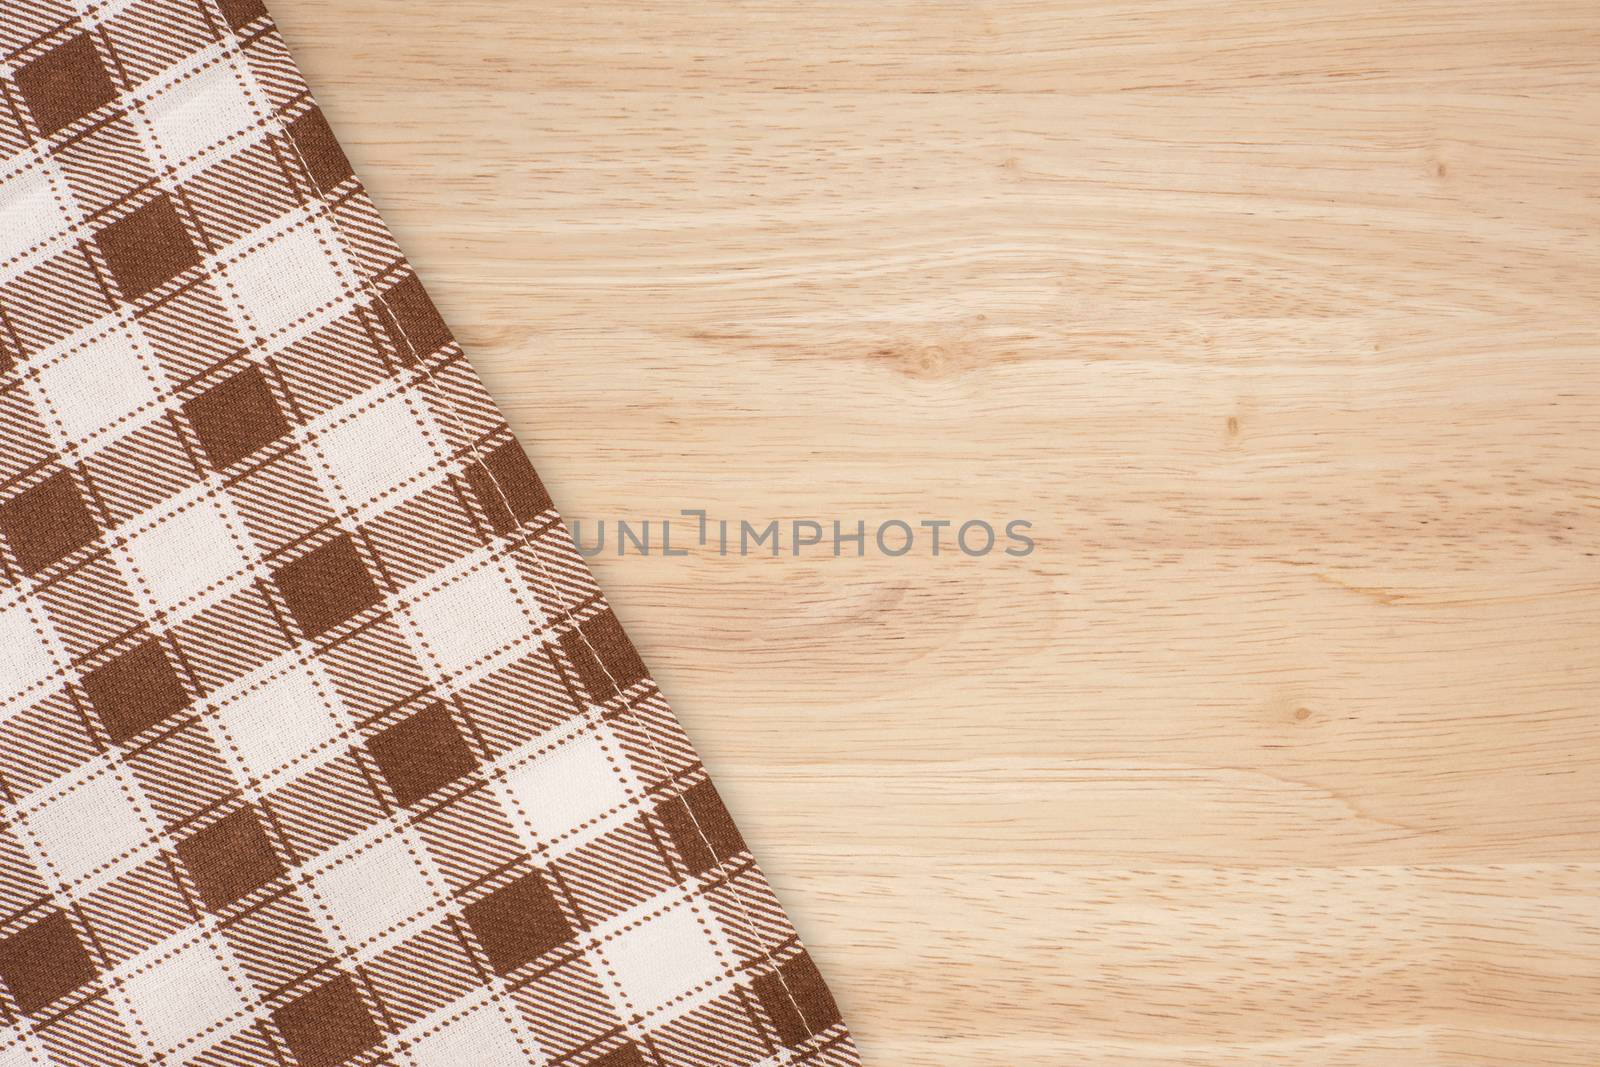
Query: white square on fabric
199	112
183	554
96	385
30	214
281	721
482	1037
377	888
571	785
663	958
184	994
288	276
91	824
24	656
14	1050
376	450
473	616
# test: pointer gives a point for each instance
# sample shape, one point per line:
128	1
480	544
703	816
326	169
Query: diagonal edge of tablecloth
320	744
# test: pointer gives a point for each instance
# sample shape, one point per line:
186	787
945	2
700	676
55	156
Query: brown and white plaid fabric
319	744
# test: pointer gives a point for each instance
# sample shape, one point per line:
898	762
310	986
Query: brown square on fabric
696	817
328	1025
326	586
518	923
230	858
241	13
46	522
146	248
236	417
422	753
626	1056
505	477
43	962
798	1003
135	690
324	159
618	665
65	84
414	324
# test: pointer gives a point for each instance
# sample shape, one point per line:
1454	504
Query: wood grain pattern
1278	320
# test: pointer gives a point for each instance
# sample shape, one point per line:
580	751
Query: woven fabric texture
319	744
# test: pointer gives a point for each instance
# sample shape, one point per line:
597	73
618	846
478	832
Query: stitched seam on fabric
427	864
627	706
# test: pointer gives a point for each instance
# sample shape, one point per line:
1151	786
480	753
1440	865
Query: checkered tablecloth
319	744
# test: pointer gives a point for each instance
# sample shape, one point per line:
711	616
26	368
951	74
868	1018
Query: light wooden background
1279	320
